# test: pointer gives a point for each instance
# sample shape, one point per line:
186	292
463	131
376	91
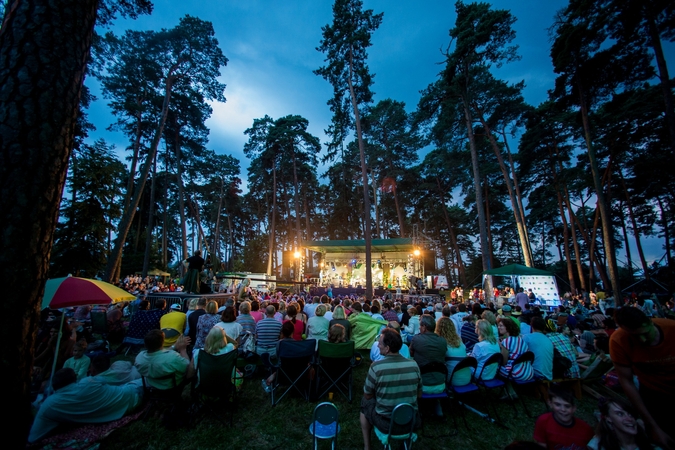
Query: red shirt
548	431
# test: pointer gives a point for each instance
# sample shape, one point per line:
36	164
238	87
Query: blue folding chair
493	383
402	422
324	424
525	358
469	365
294	361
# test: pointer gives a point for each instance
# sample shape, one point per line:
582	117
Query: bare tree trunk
453	237
636	231
181	190
151	221
625	239
487	219
128	215
273	215
605	213
364	175
44	46
377	213
563	219
216	233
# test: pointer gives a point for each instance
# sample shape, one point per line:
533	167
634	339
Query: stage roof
359	246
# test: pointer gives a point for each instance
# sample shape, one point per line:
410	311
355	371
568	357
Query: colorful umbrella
74	291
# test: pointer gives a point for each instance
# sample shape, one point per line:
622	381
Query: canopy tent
542	282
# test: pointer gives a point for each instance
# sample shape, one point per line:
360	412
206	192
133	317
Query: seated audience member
298	325
245	319
390	381
559	428
116	374
456	350
428	348
173	323
217	343
340	317
268	331
564	346
618	427
542	347
375	354
79	362
155	363
337	334
287	330
206	322
228	322
87	401
487	346
318	325
468	331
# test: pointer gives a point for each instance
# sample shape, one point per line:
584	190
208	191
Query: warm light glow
416	252
296	254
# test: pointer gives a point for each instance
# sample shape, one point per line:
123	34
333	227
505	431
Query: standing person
390	381
192	280
522	298
645	348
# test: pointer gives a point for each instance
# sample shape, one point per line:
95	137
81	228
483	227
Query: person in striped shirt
390	381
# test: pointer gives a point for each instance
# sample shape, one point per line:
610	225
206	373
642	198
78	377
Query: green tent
365	330
515	270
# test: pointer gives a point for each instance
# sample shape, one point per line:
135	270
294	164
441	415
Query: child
559	429
79	362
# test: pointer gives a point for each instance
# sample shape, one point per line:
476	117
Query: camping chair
592	378
324	424
292	367
166	397
467	364
494	383
402	422
334	368
525	358
213	387
99	323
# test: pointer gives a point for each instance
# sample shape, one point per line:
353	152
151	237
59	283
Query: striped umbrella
74	291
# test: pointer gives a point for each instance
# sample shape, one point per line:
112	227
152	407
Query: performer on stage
192	278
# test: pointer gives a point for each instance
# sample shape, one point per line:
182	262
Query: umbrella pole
56	353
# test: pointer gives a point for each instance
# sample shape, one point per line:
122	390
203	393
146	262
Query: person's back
86	401
542	347
155	364
427	348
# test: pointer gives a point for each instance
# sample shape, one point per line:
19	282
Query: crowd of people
413	337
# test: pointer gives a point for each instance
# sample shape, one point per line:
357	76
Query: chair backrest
326	413
99	322
496	358
289	348
467	363
435	367
336	350
524	358
402	420
215	371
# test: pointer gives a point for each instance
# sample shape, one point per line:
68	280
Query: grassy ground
257	424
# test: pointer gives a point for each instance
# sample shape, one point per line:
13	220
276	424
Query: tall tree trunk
364	176
308	231
399	212
489	227
626	243
130	212
216	233
273	215
44	46
605	213
664	77
453	238
563	219
134	161
151	221
666	233
480	208
181	189
377	213
575	242
522	234
636	231
165	213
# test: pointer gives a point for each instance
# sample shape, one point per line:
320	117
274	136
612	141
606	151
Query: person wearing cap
506	311
173	324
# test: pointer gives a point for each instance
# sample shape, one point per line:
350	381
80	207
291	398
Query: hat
176	306
516	313
506	308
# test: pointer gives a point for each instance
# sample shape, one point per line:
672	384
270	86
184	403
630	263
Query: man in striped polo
268	331
390	381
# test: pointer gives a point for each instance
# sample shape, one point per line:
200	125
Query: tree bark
128	215
181	190
151	221
273	215
636	232
364	176
44	46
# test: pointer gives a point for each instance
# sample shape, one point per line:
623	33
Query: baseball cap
506	308
176	306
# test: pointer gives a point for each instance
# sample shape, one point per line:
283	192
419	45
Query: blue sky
271	47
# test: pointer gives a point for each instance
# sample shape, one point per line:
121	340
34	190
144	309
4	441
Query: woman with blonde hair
413	326
456	350
318	325
490	317
487	346
340	317
217	343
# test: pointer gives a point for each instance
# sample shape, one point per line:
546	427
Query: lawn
257	424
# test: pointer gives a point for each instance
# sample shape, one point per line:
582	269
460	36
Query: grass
257	424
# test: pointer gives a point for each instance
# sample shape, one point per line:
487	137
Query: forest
485	177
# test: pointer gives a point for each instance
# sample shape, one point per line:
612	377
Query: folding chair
213	388
403	424
334	368
525	358
494	383
292	367
469	365
156	397
99	323
324	424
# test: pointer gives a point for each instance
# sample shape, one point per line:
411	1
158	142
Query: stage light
416	252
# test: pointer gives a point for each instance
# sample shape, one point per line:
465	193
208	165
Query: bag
561	364
247	345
